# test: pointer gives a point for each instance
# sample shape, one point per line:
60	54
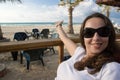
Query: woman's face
95	44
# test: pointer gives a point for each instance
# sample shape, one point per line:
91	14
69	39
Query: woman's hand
60	30
59	23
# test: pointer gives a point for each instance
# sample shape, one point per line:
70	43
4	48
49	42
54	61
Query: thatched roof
109	2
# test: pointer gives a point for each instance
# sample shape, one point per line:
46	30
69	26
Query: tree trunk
108	13
70	23
1	35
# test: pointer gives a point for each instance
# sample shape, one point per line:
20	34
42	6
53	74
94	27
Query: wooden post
61	53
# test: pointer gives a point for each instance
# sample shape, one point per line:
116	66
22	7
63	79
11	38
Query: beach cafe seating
30	55
19	36
45	35
35	33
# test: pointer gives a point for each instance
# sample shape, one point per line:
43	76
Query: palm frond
11	1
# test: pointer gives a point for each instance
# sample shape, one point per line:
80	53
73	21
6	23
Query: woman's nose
96	36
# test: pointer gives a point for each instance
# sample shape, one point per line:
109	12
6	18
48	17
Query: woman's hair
106	56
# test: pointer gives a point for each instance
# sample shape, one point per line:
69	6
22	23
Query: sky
49	11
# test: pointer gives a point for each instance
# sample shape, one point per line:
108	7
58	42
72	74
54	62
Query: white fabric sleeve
78	54
111	71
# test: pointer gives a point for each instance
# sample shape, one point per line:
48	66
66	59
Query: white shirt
66	70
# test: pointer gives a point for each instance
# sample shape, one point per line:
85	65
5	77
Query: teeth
97	44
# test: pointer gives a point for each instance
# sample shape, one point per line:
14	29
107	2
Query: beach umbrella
107	5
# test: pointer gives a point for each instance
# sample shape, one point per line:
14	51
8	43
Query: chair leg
28	65
37	35
53	50
41	59
27	57
42	62
14	55
21	58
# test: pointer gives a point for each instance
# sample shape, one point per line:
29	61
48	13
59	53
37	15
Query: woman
94	60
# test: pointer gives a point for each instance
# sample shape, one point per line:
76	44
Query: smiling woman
95	58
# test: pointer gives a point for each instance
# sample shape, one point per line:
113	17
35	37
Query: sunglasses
102	31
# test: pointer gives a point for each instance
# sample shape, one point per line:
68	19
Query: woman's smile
97	45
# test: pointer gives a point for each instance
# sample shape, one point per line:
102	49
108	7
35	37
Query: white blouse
66	70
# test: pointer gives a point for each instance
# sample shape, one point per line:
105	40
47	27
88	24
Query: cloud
84	9
28	12
31	12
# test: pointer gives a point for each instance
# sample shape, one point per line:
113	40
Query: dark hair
106	56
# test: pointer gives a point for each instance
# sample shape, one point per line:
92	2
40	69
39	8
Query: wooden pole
61	53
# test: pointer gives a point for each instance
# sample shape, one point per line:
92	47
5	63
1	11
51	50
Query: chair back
35	30
54	35
20	36
36	33
35	54
45	33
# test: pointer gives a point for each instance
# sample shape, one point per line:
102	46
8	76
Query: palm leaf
11	1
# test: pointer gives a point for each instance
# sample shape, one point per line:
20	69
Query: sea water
32	24
8	29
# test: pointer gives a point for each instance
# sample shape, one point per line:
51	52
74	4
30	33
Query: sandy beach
8	31
17	71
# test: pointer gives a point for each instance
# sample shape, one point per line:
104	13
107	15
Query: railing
34	44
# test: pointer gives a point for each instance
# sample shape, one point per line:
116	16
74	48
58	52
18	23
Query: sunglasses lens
89	32
104	31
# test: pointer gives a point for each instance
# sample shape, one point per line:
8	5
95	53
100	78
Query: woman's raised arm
69	44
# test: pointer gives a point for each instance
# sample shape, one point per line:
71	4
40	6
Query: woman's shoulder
112	66
110	71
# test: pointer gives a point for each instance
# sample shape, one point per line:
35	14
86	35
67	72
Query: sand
8	31
17	71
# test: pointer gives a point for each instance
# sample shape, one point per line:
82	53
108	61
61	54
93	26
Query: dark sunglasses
102	31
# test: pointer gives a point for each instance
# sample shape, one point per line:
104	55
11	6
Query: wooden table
34	44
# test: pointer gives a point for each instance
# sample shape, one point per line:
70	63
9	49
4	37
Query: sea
27	26
32	24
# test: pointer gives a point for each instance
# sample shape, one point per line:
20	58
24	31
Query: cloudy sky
48	11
